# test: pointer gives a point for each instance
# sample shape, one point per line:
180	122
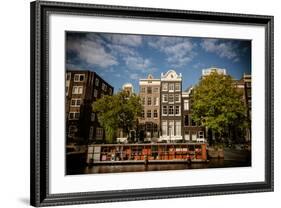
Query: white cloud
129	40
198	65
222	49
137	63
134	76
92	52
179	51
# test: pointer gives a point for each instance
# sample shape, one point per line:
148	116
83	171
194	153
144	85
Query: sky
126	58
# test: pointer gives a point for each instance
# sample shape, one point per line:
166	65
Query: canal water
233	158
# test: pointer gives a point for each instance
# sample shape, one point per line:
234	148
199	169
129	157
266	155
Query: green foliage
118	111
218	104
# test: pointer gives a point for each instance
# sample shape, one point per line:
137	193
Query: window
77	90
171	87
164	128
148	114
249	93
79	77
99	133
149	101
171	128
91	132
143	101
95	93
171	110
177	98
165	98
177	87
186	105
93	116
74	115
248	84
101	95
164	110
193	123
186	120
97	81
103	87
68	76
171	98
164	86
80	90
66	91
178	128
155	114
72	130
75	102
200	134
142	89
142	113
149	90
155	101
177	110
155	89
110	91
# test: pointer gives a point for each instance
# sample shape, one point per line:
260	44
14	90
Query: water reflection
213	163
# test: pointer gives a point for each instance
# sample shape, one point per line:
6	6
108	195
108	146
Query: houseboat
146	153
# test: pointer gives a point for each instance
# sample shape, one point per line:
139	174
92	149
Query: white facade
206	72
171	106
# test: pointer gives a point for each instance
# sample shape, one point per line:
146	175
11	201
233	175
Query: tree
218	105
117	111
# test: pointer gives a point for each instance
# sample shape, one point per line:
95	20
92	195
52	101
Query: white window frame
171	87
164	127
177	107
75	100
163	98
179	87
178	128
163	114
79	75
149	99
165	87
179	100
155	101
172	109
200	134
155	111
77	90
186	105
171	96
74	115
143	89
148	111
171	127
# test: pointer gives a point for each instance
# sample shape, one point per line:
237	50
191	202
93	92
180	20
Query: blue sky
122	58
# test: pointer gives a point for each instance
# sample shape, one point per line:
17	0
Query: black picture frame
39	194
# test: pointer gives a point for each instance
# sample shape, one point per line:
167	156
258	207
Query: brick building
192	131
83	88
149	122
